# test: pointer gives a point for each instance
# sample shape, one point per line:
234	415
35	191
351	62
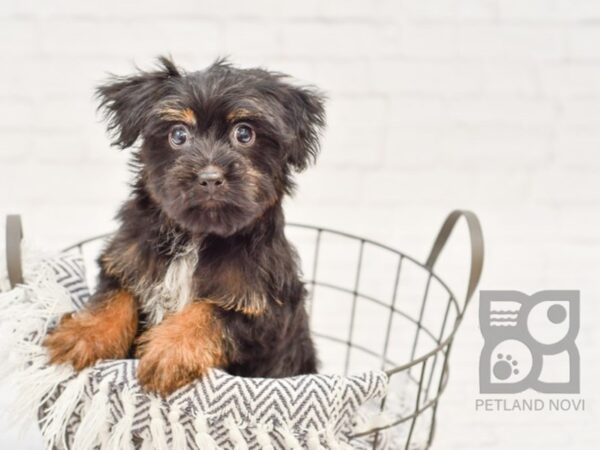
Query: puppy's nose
211	177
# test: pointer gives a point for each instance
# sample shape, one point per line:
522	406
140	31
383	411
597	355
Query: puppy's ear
127	101
307	113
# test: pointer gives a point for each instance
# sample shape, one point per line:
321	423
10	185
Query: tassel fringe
120	436
177	431
235	434
59	414
314	441
203	439
263	437
157	425
289	439
94	421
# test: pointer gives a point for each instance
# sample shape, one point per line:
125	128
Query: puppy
200	274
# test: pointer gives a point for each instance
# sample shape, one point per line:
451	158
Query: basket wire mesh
422	365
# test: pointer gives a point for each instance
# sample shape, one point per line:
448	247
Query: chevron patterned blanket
104	407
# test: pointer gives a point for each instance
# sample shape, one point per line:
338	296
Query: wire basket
374	307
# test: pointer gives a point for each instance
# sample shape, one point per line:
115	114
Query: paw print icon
529	342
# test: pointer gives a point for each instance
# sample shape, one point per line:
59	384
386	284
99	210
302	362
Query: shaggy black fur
245	265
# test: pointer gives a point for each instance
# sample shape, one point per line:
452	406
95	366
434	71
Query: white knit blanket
104	407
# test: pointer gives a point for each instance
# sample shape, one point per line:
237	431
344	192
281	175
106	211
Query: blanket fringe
263	437
203	440
313	441
157	425
93	423
35	385
177	430
121	438
59	414
332	442
289	439
239	443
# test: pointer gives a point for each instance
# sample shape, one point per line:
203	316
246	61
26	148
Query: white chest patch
176	289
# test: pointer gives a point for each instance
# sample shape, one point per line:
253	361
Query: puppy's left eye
244	134
178	136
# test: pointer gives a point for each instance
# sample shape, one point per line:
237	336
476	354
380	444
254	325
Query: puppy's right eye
178	136
244	135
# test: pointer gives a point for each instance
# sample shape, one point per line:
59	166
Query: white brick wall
492	105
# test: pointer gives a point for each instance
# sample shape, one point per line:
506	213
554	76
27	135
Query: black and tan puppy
200	273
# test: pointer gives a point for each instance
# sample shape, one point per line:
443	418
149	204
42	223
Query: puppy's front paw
72	342
180	350
84	338
163	368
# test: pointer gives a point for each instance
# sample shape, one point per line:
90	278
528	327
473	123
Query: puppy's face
218	146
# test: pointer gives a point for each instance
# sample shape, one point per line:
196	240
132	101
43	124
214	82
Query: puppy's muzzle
211	178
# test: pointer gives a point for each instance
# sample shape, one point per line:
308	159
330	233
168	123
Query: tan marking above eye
181	115
241	114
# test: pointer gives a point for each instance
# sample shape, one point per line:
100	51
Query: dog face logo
529	342
218	146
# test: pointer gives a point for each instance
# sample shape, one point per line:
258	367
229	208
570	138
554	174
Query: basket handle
477	247
14	236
